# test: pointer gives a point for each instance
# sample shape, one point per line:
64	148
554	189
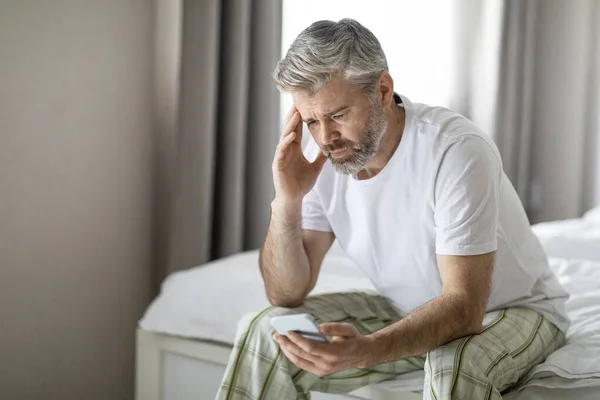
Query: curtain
531	81
217	138
513	123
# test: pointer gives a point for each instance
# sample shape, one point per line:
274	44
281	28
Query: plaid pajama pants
480	366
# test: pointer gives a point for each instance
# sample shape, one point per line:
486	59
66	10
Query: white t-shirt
443	192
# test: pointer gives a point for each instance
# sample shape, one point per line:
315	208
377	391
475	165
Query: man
416	195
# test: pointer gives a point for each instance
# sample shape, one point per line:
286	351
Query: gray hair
326	49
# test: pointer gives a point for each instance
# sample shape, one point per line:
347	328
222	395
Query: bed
186	334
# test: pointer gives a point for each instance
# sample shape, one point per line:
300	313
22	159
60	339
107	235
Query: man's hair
326	49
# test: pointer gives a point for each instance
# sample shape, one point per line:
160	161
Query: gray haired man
417	196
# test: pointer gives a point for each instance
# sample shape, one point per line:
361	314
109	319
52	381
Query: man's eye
309	123
338	116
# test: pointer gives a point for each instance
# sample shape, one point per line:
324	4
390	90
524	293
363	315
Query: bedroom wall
76	153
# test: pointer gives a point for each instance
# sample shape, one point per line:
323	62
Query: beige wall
76	185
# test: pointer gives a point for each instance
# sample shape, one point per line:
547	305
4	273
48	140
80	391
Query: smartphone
304	324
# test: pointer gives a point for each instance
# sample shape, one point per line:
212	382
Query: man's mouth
338	152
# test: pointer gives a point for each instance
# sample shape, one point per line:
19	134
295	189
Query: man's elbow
286	303
473	321
471	317
285	298
473	326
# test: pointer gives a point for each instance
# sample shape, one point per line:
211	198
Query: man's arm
458	312
466	198
290	258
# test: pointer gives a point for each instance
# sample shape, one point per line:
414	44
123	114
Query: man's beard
359	154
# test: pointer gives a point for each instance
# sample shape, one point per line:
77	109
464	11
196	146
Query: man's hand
293	175
348	349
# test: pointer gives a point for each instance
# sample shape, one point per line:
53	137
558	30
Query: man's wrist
374	353
287	212
286	206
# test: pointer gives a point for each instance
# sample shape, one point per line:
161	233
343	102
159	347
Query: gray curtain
513	124
216	185
532	83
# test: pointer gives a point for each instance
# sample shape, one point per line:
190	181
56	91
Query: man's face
345	123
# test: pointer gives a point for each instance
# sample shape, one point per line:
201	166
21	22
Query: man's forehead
328	98
322	105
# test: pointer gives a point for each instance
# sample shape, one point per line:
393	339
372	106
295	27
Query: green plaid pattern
473	367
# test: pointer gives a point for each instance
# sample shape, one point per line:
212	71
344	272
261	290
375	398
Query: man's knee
466	367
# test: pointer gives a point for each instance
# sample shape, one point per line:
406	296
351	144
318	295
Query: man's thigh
511	342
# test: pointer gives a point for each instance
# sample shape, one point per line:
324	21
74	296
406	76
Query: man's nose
328	134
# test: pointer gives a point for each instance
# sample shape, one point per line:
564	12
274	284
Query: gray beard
361	153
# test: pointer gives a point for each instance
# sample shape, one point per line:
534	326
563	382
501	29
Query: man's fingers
289	138
298	129
290	113
338	329
282	153
290	124
308	346
306	361
285	143
303	364
286	344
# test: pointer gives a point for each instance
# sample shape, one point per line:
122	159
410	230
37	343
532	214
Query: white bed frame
153	348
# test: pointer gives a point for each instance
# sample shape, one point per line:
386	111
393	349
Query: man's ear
385	90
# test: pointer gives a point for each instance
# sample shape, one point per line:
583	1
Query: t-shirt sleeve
466	198
313	214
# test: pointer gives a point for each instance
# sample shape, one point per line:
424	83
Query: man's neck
389	143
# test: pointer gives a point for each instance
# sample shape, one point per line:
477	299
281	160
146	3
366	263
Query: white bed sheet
572	238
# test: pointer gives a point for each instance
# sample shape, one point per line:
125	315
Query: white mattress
207	302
